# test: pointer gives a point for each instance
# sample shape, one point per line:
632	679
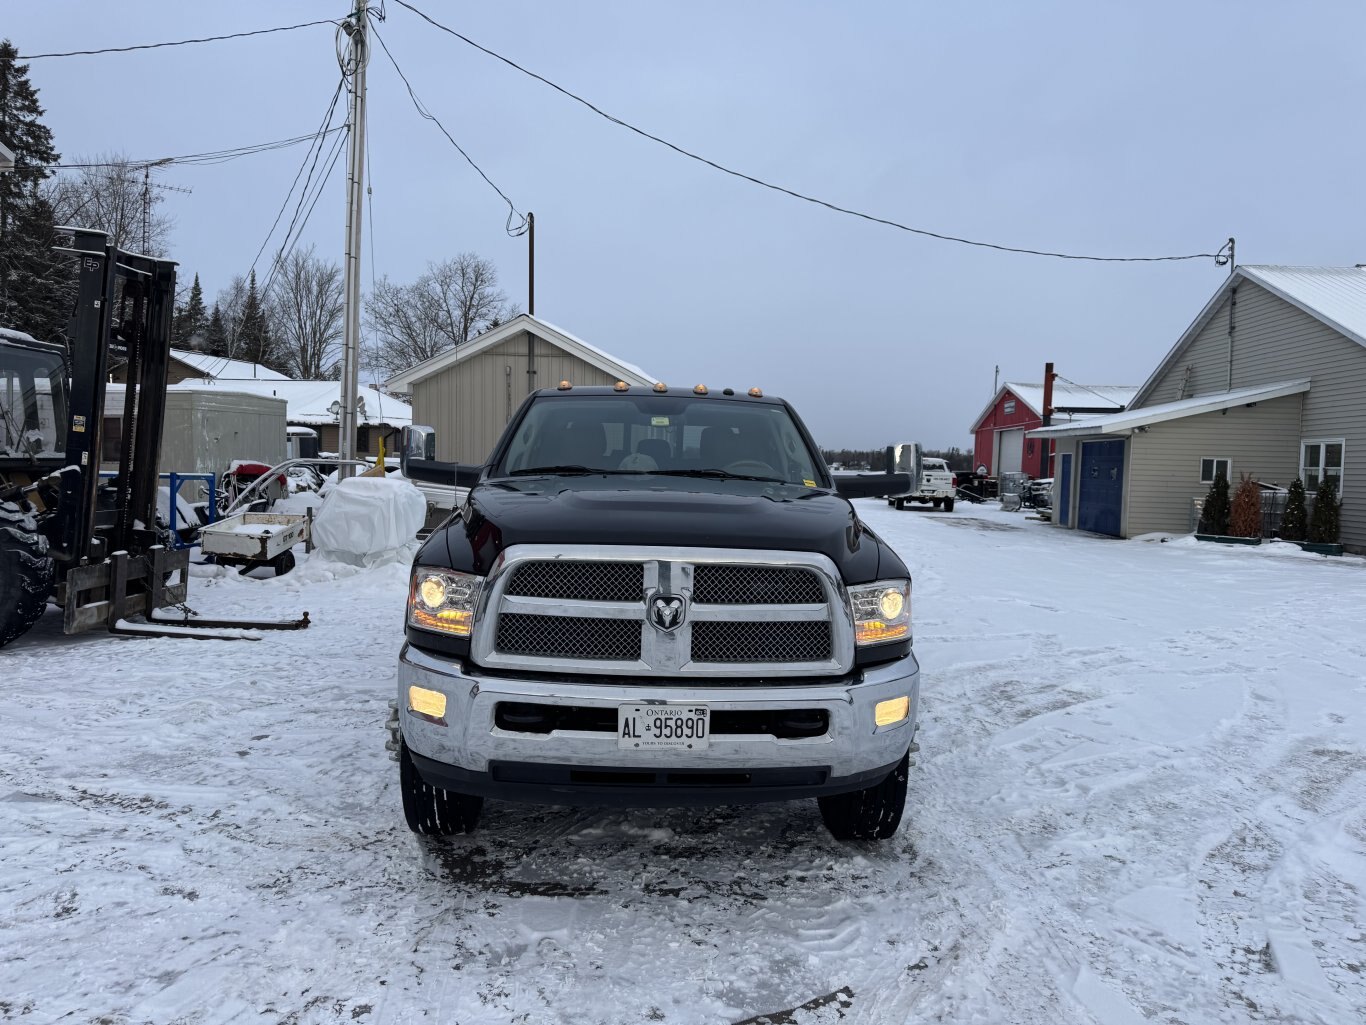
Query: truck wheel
283	563
26	573
869	814
431	810
937	502
900	504
948	505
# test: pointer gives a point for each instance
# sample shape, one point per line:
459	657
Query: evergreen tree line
289	319
876	458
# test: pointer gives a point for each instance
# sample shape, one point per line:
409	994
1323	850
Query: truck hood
654	511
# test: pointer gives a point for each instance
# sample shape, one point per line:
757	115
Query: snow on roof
18	336
1122	423
1335	295
226	369
310	402
541	329
1085	396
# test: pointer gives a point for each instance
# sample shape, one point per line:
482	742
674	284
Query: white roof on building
628	372
310	402
1085	396
1130	419
226	369
1335	296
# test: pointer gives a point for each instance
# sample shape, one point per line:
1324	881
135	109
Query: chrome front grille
578	581
587	609
569	637
723	640
756	585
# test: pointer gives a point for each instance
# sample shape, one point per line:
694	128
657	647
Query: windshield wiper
573	468
713	475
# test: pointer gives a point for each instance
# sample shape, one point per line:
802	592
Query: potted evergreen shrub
1215	514
1324	523
1295	522
1245	512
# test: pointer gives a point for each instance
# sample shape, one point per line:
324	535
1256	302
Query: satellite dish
335	408
360	405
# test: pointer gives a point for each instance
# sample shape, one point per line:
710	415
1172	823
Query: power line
1106	398
513	212
324	127
786	191
177	42
198	159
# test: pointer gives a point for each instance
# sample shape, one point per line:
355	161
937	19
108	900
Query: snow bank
368	521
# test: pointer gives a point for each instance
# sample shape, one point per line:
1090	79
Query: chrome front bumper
470	743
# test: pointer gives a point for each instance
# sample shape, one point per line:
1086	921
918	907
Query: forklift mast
123	317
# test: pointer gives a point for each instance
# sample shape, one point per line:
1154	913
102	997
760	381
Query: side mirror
873	485
417	458
417	443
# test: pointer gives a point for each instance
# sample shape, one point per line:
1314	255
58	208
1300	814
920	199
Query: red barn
999	442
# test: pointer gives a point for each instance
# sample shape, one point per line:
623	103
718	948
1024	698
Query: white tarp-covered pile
367	521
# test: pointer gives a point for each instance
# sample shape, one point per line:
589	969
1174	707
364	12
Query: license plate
656	727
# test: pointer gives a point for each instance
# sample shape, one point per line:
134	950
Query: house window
1319	458
362	439
1213	467
1009	406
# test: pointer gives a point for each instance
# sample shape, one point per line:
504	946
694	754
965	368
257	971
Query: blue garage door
1100	493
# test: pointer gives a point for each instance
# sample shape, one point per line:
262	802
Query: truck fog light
431	704
887	713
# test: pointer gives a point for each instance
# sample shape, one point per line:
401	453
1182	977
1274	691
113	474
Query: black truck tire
430	810
948	505
26	573
869	814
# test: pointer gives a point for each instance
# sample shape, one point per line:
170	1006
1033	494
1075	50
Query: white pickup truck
937	486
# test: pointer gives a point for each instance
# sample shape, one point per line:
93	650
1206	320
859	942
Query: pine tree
1245	514
216	334
35	283
1295	522
253	336
1215	512
1323	524
190	321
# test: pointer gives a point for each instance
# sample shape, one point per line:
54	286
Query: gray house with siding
469	393
1268	381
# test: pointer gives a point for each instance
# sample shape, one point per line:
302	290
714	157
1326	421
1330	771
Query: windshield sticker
659	421
809	483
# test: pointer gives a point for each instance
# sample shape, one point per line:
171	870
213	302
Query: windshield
32	404
665	434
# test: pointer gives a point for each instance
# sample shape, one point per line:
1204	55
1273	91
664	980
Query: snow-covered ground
1141	798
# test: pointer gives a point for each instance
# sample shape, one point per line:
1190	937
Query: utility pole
359	56
531	264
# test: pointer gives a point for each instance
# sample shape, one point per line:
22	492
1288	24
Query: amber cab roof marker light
699	389
565	386
756	393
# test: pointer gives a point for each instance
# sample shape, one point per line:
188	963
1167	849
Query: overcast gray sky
1087	126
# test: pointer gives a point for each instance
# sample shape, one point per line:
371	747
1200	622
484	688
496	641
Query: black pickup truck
655	597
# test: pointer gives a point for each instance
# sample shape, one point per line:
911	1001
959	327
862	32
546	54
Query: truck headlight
443	600
881	610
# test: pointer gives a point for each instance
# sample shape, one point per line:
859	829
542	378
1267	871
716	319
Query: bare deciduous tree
305	304
116	197
450	303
